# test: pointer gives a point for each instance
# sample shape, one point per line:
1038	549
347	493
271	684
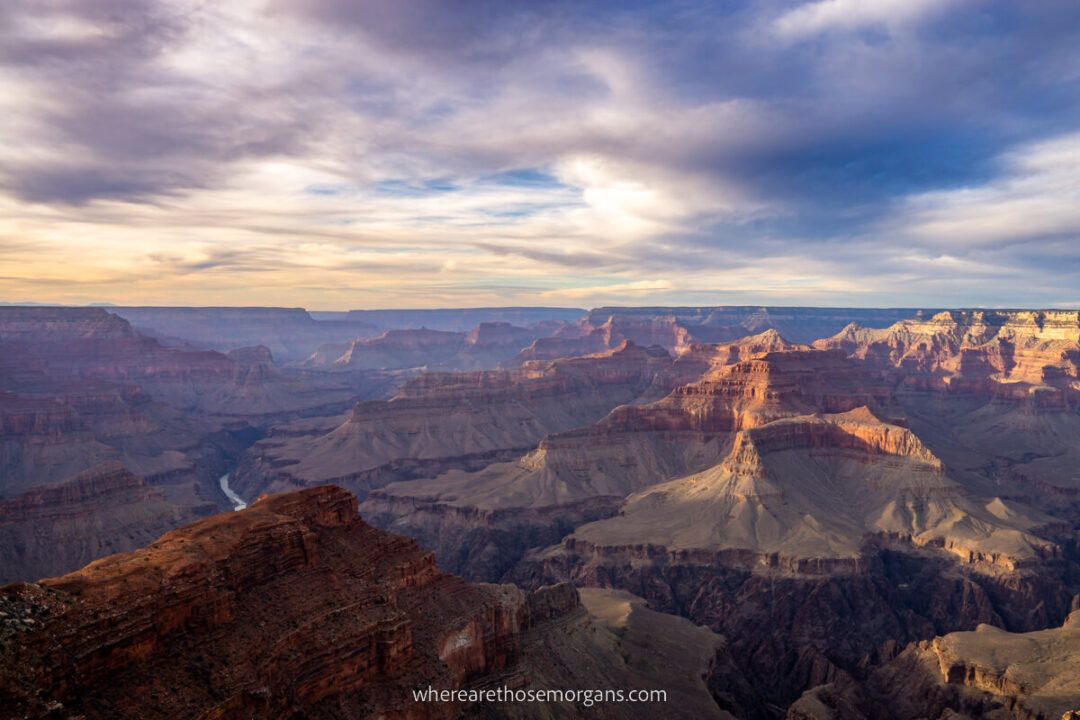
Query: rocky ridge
677	329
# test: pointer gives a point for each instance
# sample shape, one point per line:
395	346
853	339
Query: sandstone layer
678	328
993	393
1032	354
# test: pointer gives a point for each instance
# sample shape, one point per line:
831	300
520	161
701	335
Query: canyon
482	521
848	514
111	437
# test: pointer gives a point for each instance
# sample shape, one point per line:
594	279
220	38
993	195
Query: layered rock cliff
716	324
80	387
444	420
993	393
226	616
46	347
480	522
53	528
699	359
805	491
1014	353
819	544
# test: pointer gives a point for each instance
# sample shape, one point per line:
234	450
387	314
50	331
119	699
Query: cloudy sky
367	153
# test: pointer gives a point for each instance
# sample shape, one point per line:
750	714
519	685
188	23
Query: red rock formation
994	393
1014	353
587	338
291	607
824	534
482	521
699	359
721	323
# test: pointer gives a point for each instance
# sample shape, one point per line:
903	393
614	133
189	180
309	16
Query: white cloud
635	288
821	16
1036	196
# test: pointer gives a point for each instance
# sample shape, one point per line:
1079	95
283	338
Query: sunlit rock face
984	672
995	394
480	522
1016	354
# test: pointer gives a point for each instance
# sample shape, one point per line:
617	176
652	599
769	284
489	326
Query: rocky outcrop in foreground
291	608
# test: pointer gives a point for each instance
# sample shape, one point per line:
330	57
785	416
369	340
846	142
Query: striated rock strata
443	420
1012	353
106	509
480	522
80	387
994	394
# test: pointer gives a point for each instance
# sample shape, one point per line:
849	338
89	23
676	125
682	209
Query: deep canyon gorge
838	513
